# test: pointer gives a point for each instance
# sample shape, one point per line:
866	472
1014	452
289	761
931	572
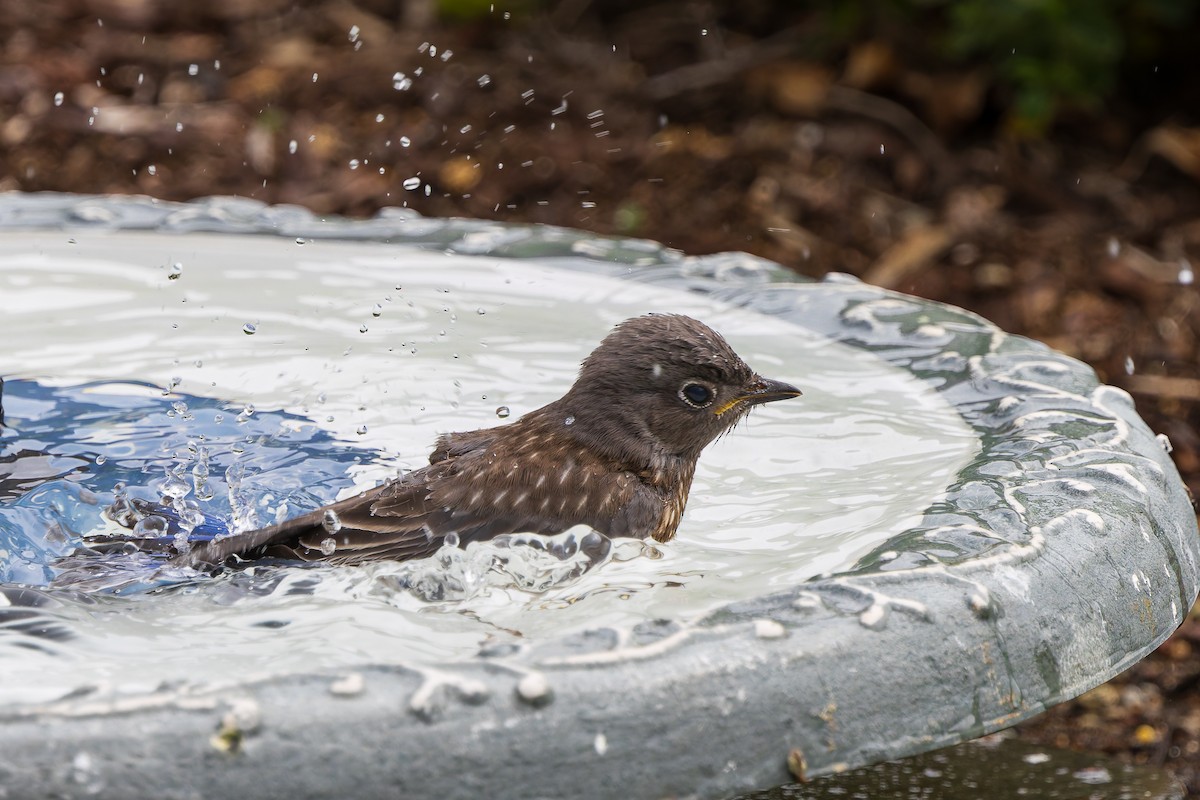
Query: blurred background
1036	162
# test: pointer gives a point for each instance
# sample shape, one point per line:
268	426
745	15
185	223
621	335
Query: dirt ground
704	125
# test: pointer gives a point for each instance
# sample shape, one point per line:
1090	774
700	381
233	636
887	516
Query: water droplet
149	527
502	412
362	328
1186	276
1114	247
331	522
328	545
193	70
376	310
405	141
401	82
249	329
100	459
153	170
1162	438
362	430
569	421
412	183
300	240
354	162
293	146
174	271
484	80
1128	365
769	629
535	689
178	127
58	98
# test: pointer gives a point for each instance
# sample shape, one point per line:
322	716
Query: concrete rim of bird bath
1062	554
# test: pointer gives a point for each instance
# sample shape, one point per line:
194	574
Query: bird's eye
696	394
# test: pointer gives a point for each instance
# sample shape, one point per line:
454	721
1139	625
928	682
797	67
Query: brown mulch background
705	125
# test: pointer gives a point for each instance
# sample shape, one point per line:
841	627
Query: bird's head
665	382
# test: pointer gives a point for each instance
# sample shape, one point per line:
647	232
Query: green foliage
1053	54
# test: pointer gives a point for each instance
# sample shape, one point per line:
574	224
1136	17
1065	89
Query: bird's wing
393	521
347	531
467	490
452	445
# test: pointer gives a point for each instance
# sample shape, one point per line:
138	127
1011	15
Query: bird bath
952	530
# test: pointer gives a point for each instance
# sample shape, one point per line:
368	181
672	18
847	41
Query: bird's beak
761	390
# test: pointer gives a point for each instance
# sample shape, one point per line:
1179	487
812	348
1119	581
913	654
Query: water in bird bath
354	357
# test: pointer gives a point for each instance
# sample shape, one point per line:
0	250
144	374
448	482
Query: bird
616	453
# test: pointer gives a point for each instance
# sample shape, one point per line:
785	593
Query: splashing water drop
293	146
58	98
331	522
412	183
502	412
405	141
1186	276
569	421
1128	365
150	527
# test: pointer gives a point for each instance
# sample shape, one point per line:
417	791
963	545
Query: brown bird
617	453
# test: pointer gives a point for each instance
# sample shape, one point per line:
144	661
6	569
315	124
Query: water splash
528	562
